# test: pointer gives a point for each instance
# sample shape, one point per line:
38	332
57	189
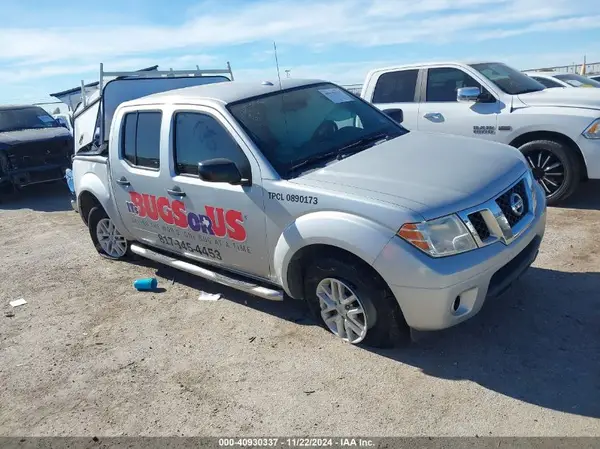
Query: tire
542	154
98	221
385	324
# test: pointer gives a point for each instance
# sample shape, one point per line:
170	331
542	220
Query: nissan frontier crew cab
558	130
305	190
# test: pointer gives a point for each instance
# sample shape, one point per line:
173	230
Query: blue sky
50	46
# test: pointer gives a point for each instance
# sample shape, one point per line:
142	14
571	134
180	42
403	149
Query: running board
248	287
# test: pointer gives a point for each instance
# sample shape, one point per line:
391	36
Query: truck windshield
509	80
16	119
301	127
576	80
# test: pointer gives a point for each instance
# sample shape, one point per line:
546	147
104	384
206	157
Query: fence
590	69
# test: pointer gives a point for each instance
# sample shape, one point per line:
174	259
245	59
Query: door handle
176	191
123	181
433	116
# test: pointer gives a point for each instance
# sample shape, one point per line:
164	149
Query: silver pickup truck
305	190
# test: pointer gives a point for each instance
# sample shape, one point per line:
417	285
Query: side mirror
468	94
395	114
220	170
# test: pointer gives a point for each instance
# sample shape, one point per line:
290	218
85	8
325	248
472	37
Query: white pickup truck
302	189
558	130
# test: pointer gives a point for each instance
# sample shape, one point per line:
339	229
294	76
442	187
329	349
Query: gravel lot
88	355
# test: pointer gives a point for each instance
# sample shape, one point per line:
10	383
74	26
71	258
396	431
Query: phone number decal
187	246
292	198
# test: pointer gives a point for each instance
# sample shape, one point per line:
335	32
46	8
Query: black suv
34	147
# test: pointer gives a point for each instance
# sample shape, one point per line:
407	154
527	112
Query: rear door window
396	87
141	139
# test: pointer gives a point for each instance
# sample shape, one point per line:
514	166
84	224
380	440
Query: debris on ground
18	302
309	392
145	284
209	296
251	339
9	314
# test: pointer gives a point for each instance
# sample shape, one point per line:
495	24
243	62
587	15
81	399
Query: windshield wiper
340	153
313	160
362	144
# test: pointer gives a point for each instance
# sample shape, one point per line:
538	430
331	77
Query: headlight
593	131
443	236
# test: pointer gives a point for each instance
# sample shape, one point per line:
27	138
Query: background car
595	77
558	79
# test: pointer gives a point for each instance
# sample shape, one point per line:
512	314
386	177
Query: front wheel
107	239
555	167
353	303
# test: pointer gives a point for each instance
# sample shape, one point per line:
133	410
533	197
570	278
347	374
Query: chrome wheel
110	239
342	311
547	169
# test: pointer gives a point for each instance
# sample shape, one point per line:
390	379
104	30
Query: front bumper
34	175
427	288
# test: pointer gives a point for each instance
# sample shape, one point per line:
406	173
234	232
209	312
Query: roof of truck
224	92
5	107
432	63
548	73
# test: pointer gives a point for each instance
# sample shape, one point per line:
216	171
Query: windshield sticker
304	199
220	227
336	95
46	118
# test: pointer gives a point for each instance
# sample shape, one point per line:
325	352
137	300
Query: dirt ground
89	355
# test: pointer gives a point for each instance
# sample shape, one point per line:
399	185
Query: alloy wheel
110	239
342	310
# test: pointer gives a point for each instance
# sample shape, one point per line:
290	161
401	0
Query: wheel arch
85	202
302	258
531	136
323	232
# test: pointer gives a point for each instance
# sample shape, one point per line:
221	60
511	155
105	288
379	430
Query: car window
396	87
312	122
507	79
443	83
141	139
547	82
199	137
30	117
576	80
130	123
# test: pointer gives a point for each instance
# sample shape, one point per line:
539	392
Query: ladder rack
150	72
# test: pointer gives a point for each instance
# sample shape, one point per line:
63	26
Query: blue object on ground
145	284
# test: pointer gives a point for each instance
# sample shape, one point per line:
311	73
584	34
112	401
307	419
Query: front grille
480	225
504	202
38	154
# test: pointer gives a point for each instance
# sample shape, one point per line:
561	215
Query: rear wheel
351	301
106	237
555	167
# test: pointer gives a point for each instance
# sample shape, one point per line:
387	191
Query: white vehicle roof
417	65
222	92
548	74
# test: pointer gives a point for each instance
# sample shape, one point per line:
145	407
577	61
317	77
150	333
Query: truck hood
430	174
577	97
33	135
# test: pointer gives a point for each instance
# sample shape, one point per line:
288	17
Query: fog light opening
456	304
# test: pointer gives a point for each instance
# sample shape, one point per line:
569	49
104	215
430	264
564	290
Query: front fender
362	237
